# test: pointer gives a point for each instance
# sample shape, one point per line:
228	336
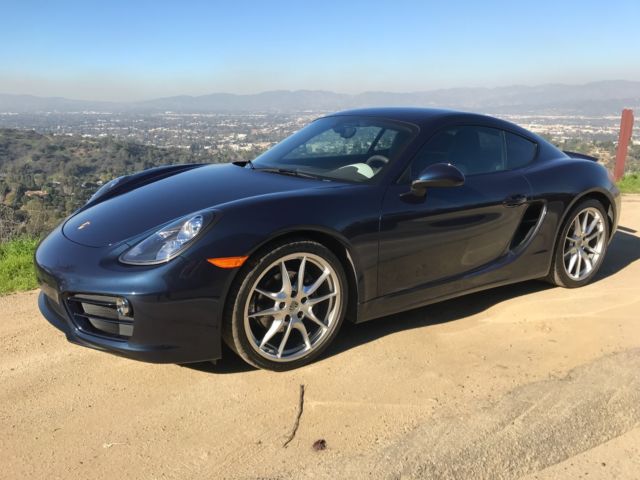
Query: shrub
630	183
16	265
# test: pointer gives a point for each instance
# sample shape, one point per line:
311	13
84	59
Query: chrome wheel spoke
578	264
585	219
313	301
271	295
286	279
312	316
592	237
300	276
264	313
283	342
311	289
273	329
305	335
592	226
577	228
572	262
586	260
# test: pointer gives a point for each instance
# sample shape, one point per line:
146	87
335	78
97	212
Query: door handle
515	200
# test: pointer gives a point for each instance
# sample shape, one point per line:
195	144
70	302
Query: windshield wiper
287	171
244	163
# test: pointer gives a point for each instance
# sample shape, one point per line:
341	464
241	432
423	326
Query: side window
477	150
472	149
520	151
436	150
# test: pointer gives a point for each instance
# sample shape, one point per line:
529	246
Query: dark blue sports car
359	215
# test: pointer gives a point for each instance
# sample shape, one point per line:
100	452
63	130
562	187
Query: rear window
520	151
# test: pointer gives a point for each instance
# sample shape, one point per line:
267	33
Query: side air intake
530	220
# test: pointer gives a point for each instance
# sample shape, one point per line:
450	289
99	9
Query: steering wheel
377	161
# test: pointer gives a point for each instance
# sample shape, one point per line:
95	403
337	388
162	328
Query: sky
135	50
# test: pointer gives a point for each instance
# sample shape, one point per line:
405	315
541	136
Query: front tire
288	305
581	245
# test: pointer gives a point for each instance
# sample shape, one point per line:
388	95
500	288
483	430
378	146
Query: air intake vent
98	315
528	224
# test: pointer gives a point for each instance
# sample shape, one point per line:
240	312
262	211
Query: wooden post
626	126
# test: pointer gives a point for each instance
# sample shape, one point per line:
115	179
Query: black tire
558	273
233	329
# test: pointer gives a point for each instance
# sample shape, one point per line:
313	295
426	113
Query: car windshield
347	148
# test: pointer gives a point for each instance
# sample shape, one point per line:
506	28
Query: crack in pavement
297	422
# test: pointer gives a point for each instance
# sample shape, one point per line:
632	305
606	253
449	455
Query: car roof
429	117
404	114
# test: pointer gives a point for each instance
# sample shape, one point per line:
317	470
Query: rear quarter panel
562	182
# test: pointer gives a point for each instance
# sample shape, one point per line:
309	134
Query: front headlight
167	242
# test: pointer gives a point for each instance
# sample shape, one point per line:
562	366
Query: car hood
133	212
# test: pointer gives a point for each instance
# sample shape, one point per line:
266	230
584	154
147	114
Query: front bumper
176	306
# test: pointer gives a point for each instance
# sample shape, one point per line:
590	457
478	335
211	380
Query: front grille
98	315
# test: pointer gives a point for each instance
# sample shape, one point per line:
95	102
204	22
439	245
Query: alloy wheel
584	243
293	307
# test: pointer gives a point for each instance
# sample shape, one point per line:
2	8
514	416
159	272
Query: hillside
43	178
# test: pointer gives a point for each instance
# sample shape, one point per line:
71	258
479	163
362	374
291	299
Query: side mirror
437	175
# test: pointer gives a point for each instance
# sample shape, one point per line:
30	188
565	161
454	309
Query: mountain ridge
607	96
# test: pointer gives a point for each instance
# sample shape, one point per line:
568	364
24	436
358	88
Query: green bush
16	265
630	183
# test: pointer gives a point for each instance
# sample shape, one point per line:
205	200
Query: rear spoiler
581	155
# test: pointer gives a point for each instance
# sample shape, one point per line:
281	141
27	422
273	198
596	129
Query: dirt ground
525	381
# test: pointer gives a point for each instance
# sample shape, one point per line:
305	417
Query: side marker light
227	262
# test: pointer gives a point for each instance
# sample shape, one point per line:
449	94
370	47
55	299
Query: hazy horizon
355	93
120	51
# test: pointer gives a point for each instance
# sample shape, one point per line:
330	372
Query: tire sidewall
236	336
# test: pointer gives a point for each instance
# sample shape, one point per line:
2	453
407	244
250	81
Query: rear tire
278	319
581	245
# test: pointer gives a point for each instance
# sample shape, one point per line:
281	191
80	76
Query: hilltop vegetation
43	178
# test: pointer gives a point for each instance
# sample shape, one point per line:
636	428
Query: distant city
246	132
213	132
223	122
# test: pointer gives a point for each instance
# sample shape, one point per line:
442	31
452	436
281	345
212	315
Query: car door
452	230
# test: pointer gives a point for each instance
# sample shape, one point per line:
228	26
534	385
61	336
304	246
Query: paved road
525	381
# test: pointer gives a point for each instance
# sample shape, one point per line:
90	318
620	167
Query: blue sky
130	50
